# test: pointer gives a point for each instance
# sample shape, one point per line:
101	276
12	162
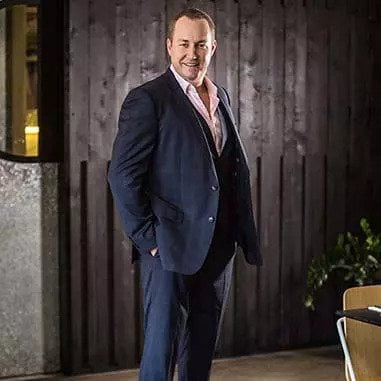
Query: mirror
19	80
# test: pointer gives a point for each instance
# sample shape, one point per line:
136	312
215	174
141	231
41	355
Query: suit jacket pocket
165	209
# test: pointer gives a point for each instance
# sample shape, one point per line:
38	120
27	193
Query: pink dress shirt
212	119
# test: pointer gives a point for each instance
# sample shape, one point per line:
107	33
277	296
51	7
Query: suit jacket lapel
229	112
191	118
190	114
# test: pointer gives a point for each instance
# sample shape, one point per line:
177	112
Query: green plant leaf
353	259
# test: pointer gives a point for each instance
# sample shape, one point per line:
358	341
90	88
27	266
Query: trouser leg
207	299
163	291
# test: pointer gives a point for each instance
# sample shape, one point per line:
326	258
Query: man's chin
191	76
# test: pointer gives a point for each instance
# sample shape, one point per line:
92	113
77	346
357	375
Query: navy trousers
182	317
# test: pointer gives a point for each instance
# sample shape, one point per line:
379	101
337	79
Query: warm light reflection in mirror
19	80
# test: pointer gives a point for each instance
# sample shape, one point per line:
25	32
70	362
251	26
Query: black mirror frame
7	3
50	79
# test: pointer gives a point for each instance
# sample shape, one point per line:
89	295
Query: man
180	181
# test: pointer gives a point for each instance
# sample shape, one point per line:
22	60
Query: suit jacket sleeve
129	168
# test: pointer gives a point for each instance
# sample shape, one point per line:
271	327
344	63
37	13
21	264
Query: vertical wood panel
338	121
294	148
250	118
317	121
126	301
77	139
153	61
272	106
83	251
128	43
376	115
352	6
300	126
98	271
360	62
102	74
102	124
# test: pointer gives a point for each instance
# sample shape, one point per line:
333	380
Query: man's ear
169	46
214	46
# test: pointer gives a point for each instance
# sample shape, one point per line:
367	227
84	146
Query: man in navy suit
180	180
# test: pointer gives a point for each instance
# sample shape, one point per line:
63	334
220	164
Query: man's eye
184	45
202	45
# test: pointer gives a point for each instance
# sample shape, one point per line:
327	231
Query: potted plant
352	261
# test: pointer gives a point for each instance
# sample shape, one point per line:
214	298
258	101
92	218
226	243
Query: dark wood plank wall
375	121
291	267
126	296
316	143
305	89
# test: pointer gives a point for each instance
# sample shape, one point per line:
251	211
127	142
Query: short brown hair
193	14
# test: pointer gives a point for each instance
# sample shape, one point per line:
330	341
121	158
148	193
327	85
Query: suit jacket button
237	159
211	219
214	187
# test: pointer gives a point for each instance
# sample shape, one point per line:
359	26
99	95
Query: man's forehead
185	25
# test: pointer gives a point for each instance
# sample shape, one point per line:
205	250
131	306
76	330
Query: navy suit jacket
163	178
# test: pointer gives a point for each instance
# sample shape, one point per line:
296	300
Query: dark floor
315	364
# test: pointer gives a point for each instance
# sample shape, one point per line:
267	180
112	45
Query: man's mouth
190	64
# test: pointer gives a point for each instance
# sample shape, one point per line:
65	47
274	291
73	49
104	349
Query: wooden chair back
364	340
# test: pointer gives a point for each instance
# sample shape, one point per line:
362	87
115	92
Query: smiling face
191	49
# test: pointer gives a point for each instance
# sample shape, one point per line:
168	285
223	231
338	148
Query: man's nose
192	52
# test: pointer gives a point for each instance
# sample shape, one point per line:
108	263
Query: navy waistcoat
225	231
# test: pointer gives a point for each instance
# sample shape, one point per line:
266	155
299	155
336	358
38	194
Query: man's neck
199	85
202	89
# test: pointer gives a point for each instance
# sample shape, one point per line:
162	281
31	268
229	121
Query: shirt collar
186	86
181	81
